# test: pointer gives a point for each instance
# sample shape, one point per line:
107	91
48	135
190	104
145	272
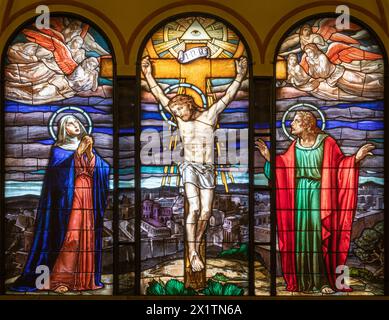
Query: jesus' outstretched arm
156	90
222	103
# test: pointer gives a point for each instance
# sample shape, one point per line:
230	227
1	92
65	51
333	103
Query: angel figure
74	28
338	47
329	81
48	68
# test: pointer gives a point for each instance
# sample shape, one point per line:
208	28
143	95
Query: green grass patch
240	252
172	288
215	288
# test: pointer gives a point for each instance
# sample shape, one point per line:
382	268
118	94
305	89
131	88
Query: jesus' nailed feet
195	262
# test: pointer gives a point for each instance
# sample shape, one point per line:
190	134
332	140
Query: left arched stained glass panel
58	138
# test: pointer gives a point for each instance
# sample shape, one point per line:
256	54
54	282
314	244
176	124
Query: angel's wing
53	33
61	53
39	38
327	29
340	52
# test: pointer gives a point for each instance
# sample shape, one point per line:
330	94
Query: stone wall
160	247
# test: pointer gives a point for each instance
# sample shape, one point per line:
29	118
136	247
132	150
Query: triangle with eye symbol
195	32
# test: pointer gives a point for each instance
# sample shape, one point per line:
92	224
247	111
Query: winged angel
53	65
332	65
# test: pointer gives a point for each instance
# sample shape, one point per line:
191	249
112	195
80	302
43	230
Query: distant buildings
158	211
215	228
126	208
163	225
163	220
262	217
19	234
370	208
370	198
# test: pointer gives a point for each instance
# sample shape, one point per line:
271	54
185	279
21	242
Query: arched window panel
58	139
330	160
194	159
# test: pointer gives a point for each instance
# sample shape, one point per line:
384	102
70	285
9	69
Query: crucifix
197	127
197	73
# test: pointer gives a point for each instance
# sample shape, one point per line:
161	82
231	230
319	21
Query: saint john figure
316	198
69	221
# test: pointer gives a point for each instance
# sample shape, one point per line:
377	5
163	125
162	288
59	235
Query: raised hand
241	68
89	146
263	149
364	151
146	66
88	140
85	146
81	147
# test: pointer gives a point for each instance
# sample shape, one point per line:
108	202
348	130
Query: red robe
75	265
338	199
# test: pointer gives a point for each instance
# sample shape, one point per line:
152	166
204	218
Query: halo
184	85
299	105
56	113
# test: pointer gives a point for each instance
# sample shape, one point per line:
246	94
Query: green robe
309	258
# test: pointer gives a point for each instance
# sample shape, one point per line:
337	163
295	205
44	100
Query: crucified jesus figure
197	128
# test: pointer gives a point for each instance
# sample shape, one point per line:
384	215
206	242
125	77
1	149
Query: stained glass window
329	163
58	160
206	182
194	174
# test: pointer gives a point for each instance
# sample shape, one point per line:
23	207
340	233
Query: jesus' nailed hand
197	128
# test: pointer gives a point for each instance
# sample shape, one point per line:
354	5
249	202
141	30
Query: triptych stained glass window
203	193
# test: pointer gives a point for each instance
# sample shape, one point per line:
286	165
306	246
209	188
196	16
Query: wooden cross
196	72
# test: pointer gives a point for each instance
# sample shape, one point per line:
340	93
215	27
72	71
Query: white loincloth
199	174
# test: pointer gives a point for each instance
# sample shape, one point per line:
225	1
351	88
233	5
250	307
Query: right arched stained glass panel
329	160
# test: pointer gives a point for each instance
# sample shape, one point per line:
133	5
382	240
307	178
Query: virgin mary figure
69	222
